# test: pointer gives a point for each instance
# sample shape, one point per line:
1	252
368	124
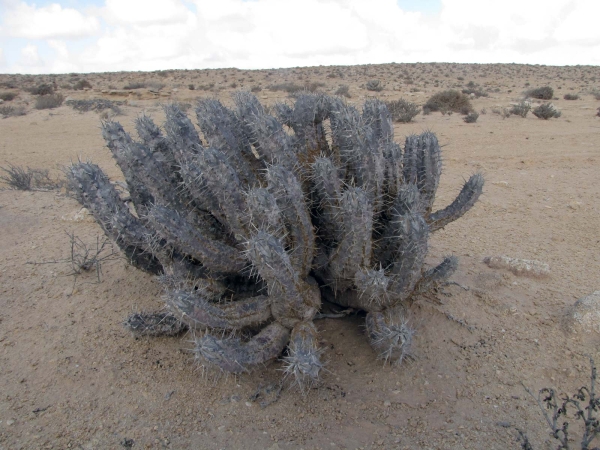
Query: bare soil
71	376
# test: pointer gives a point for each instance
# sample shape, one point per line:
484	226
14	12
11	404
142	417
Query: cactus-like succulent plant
255	220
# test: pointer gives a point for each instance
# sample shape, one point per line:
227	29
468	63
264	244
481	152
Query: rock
575	205
1	101
519	267
584	315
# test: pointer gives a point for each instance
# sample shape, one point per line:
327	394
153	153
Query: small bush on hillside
343	90
9	85
374	85
49	101
28	179
43	89
7	96
293	88
402	111
541	93
11	111
96	104
256	89
313	86
521	109
155	85
475	89
205	87
288	87
471	117
546	111
449	100
82	84
135	85
504	113
571	97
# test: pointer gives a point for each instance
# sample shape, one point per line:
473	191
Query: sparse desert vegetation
74	377
449	101
49	101
541	93
403	111
546	111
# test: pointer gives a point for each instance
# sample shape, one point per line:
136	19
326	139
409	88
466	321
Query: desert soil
71	376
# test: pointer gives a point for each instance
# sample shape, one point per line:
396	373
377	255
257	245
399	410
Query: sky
64	36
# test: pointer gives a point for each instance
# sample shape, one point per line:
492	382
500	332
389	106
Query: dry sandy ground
72	377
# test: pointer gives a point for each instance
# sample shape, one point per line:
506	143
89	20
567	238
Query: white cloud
25	21
145	12
163	34
30	56
581	24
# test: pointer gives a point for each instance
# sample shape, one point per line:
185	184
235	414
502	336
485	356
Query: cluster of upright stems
250	223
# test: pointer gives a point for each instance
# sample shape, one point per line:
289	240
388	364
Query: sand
71	376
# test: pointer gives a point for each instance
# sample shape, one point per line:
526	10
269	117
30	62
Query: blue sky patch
430	7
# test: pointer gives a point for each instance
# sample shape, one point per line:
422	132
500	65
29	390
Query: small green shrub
96	104
27	179
293	88
135	85
9	85
504	113
288	87
374	85
11	111
205	87
402	111
450	100
82	84
546	111
475	89
314	86
155	85
571	97
521	109
471	117
43	89
8	96
49	101
541	93
343	90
